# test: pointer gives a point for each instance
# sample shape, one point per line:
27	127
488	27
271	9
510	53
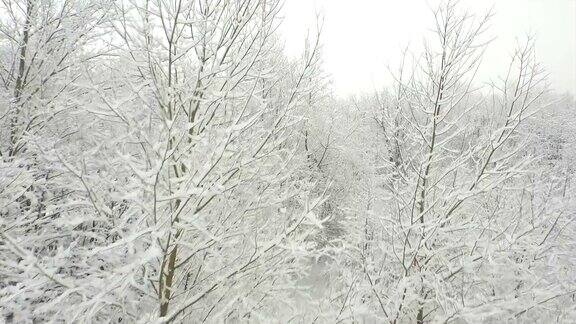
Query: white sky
361	38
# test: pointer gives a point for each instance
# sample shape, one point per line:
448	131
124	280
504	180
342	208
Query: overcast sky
363	37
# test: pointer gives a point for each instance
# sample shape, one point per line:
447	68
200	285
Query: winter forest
163	161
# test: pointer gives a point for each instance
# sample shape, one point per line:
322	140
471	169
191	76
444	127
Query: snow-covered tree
185	187
455	227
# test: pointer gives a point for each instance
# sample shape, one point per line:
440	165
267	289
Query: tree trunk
20	80
166	291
